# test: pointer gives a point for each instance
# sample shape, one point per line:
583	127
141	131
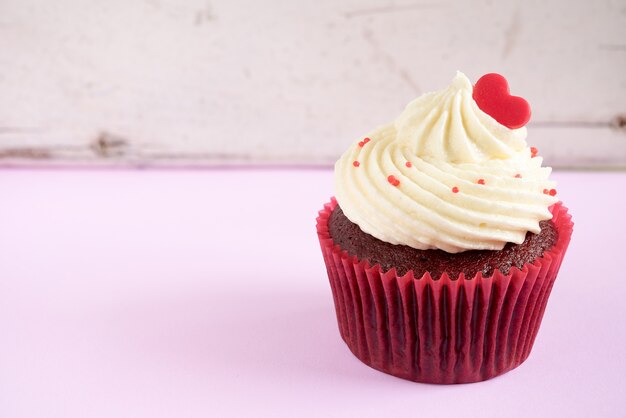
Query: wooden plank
222	82
558	145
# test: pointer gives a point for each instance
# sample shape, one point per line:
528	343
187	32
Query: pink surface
173	293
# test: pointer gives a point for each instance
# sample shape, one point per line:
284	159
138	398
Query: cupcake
445	237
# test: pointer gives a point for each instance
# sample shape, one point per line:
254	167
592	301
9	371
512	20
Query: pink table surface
203	293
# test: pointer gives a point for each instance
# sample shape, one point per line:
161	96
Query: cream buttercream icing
445	175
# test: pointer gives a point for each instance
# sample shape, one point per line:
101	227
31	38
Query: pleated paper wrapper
445	330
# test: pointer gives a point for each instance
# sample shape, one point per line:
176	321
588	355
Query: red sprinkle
481	181
361	144
533	151
393	180
455	189
546	191
356	163
366	140
552	192
408	164
518	176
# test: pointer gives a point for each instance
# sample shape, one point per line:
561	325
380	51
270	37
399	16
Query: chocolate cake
404	258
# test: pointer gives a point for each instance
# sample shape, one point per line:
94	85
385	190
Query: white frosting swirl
440	144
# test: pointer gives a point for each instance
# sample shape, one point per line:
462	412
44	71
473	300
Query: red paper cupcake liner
442	330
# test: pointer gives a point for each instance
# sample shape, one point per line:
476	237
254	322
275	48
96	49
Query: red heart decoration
492	96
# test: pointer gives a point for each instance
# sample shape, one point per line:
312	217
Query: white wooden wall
201	82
